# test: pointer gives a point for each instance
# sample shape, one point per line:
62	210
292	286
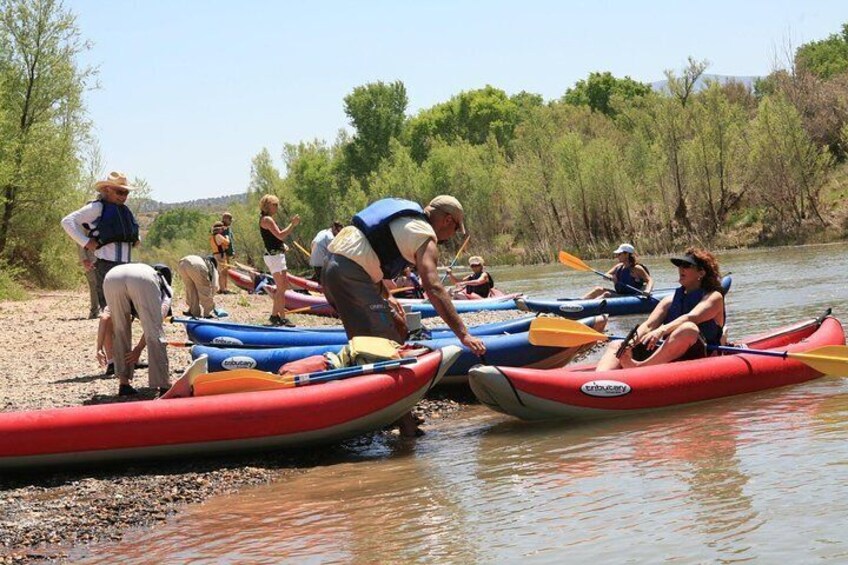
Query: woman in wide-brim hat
683	324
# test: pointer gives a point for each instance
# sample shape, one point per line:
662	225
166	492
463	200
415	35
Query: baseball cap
450	205
624	248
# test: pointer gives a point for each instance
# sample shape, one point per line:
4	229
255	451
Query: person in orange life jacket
275	254
479	282
627	272
105	226
220	244
687	321
385	237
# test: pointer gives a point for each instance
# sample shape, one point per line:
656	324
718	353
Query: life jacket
272	244
625	278
683	303
216	248
374	222
115	224
480	289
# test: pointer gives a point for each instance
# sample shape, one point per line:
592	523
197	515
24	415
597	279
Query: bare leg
673	347
280	295
597	292
609	361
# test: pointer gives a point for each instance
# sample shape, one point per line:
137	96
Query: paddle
245	380
302	249
560	332
576	263
458	254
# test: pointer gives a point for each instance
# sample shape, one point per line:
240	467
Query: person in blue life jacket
628	272
682	324
383	239
479	282
106	226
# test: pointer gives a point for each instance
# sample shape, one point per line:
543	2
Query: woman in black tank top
275	257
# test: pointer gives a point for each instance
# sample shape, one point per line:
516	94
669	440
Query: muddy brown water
759	477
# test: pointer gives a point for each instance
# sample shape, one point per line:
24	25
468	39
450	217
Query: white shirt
120	252
319	247
410	234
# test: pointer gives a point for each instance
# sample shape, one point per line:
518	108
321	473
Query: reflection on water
758	477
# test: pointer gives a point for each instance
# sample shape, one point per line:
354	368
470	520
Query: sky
190	91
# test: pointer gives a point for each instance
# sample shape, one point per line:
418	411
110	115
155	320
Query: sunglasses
121	191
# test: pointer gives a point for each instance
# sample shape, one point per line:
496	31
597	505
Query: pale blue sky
192	90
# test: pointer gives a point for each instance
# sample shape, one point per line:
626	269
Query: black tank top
272	244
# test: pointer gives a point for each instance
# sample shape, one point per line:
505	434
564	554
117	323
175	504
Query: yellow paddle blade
829	360
560	332
574	262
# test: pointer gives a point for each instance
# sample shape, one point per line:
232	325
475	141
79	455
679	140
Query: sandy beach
49	361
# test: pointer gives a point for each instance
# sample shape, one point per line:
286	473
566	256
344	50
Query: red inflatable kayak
250	420
580	393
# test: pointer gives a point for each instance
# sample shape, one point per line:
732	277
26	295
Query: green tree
785	168
599	91
825	58
470	116
180	224
43	124
377	112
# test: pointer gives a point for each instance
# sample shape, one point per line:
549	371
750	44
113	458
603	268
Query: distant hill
215	204
701	83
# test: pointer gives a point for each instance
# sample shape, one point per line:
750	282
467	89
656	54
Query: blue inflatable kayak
427	310
508	350
613	306
206	332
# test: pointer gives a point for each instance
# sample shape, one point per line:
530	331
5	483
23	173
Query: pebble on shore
49	362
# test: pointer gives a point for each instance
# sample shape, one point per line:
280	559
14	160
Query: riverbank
49	362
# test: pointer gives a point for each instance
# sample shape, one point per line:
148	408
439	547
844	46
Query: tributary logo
605	389
570	308
226	340
238	362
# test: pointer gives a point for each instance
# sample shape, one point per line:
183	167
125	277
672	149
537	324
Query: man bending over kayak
681	325
385	237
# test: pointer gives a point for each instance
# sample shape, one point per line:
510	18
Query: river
758	477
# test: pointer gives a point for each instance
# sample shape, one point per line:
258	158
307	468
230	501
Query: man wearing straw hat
385	237
105	226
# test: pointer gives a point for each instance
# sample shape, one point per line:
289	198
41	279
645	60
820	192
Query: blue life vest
683	303
374	222
625	278
116	224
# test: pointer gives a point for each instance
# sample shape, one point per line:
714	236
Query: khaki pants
223	270
138	284
200	291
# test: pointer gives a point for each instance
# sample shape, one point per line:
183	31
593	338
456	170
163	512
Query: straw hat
476	260
115	179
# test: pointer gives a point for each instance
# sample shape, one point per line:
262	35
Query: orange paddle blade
560	332
240	380
574	262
